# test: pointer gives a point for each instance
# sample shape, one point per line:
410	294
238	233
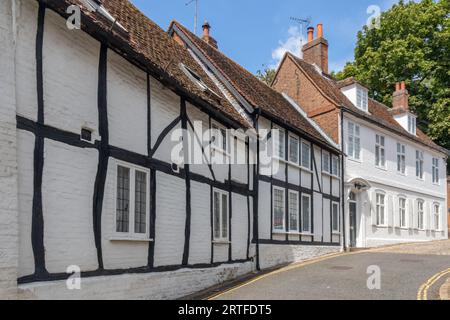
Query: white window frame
419	165
292	138
279	146
437	216
353	140
435	171
380	151
221	193
296	193
402	212
378	206
362	98
218	141
338	230
412	124
335	160
131	234
420	205
302	208
283	229
326	155
401	158
310	149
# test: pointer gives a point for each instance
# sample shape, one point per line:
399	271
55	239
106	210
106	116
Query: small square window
86	135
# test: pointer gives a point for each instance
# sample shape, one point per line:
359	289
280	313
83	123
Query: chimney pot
310	34
403	85
397	86
206	27
401	97
320	30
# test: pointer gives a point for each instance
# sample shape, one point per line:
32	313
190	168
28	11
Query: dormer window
412	124
362	99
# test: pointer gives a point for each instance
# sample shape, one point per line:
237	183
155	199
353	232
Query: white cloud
292	44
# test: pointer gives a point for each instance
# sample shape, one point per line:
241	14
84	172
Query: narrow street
407	272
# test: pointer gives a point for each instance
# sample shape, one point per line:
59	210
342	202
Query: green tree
266	76
412	44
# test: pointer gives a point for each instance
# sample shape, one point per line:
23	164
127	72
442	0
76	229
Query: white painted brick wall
275	255
156	286
8	159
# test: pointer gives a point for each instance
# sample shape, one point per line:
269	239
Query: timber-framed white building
90	188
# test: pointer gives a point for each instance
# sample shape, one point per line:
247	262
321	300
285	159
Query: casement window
419	164
306	214
279	213
335	170
412	124
132	201
436	217
420	214
326	165
401	158
279	143
435	171
354	141
362	99
380	154
380	209
402	212
293	211
221	225
220	138
306	155
335	217
293	149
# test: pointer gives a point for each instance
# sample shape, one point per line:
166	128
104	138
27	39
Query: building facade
394	174
96	205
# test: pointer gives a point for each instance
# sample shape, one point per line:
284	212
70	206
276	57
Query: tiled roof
257	93
378	113
155	48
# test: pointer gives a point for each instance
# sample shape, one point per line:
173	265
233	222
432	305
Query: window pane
293	149
280	147
224	216
335	217
326	162
306	155
140	200
216	215
293	211
123	199
306	214
357	148
278	207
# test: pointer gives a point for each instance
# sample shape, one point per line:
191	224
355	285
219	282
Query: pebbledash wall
58	193
407	186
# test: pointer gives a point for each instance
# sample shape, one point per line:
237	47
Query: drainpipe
256	115
344	229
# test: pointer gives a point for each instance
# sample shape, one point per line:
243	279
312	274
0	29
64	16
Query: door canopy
358	185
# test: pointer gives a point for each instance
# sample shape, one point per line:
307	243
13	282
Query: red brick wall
292	81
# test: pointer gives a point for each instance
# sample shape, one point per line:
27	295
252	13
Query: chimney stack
401	97
207	37
316	50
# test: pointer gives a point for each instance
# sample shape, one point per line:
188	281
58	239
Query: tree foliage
267	75
412	44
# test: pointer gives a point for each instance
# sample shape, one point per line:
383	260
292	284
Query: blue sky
255	33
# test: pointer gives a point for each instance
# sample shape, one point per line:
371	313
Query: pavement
402	272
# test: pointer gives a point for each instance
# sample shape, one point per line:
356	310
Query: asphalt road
403	270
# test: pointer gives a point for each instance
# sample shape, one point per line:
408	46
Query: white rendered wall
8	157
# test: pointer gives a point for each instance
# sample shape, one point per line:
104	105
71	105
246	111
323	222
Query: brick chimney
401	96
316	50
206	36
